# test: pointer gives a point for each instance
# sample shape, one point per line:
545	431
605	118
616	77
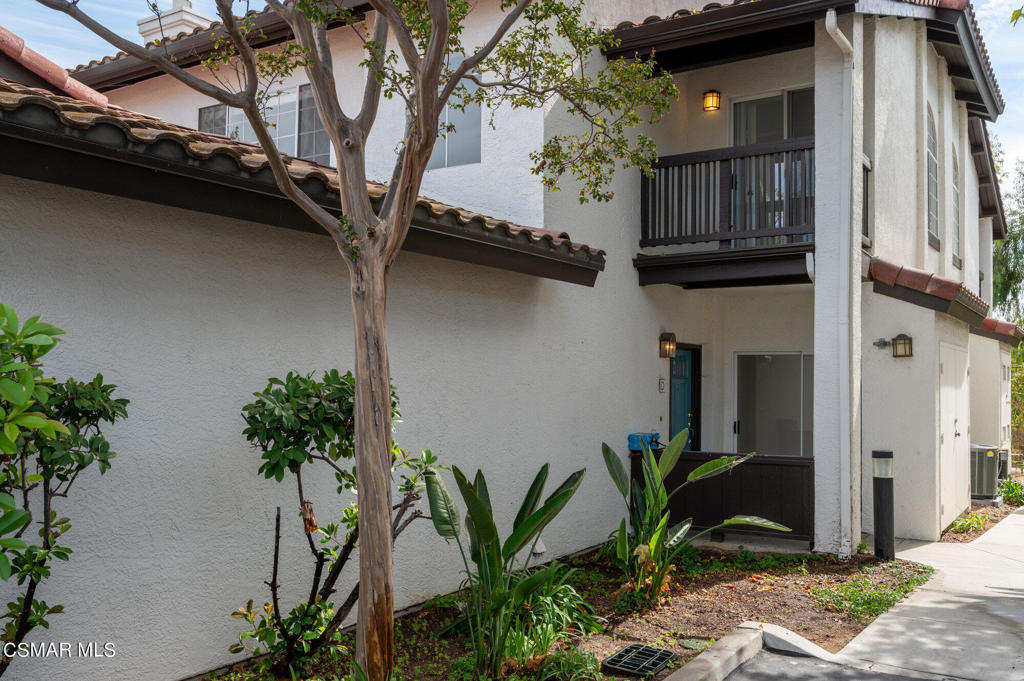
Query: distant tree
1008	253
536	54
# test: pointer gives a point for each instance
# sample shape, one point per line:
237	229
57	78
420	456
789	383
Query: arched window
933	179
956	210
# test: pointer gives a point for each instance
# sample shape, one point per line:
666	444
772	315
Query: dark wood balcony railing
757	195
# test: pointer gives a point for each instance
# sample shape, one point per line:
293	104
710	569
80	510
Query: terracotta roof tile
944	288
998	326
250	158
14	47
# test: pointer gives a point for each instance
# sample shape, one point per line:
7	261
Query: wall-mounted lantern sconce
667	345
902	345
712	100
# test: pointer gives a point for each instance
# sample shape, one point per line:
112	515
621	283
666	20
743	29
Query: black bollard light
885	517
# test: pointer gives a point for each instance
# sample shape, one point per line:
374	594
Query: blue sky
64	41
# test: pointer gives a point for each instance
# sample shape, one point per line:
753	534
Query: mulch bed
994	516
699	609
710	605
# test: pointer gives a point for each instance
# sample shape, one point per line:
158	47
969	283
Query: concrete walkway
967	622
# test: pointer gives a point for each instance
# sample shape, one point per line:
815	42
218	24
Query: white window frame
736	99
931	151
957	226
293	149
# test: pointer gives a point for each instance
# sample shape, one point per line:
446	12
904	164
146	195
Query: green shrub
646	548
969	523
496	592
304	425
1012	491
50	433
570	664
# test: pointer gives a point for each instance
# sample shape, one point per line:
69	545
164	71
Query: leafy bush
968	523
297	422
861	599
570	664
1012	491
496	592
647	548
51	433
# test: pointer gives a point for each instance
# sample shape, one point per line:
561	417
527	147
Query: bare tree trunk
375	633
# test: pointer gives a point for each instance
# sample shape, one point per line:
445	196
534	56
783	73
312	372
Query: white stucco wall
990	392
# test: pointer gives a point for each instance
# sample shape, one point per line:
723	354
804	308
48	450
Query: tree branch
406	45
372	87
473	61
70	7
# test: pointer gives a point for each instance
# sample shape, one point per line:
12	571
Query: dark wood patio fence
779	488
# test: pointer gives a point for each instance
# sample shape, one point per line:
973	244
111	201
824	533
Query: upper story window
462	146
292	122
933	183
956	212
773	118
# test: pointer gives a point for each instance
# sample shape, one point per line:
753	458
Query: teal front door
683	397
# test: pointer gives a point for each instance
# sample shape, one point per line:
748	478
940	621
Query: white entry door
954	447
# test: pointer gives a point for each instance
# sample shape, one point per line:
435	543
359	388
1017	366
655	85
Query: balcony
737	216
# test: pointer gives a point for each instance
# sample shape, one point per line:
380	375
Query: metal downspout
846	250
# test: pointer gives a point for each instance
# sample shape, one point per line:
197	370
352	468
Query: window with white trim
462	145
292	121
933	179
955	227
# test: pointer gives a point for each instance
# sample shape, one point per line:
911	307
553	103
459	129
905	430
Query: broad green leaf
443	511
5	567
10	318
616	470
13	543
572	482
670	457
622	543
678	532
527	586
13	392
12	520
533	524
715	467
532	497
656	538
7	501
38	339
754	521
30	421
483	522
480	485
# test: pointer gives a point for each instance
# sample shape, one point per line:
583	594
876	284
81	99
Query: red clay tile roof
958	300
1013	333
14	47
148	130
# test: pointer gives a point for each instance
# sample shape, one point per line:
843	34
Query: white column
838	104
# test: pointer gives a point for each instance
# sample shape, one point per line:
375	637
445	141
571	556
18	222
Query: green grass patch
868	594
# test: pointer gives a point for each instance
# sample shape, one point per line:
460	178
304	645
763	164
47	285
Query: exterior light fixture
902	346
712	100
884	507
667	345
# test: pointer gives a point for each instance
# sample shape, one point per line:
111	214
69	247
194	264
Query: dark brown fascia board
988	178
715	24
726	268
167	177
187	51
1014	342
957	308
953	27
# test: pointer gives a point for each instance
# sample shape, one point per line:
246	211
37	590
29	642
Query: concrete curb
743	643
724	655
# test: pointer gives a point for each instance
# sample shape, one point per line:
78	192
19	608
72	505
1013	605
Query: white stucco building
841	192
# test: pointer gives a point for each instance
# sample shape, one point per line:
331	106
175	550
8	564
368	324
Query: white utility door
954	447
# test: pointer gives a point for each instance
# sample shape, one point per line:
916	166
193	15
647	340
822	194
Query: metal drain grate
638	660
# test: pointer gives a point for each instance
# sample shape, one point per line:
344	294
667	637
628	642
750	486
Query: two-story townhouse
807	275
